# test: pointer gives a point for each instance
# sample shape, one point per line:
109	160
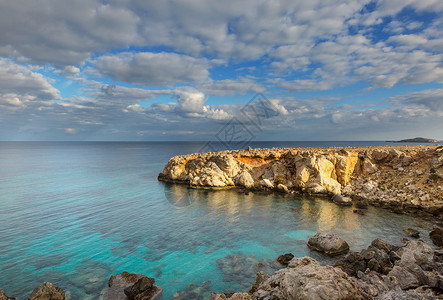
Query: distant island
416	140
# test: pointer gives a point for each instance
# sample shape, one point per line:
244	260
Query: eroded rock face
328	243
47	291
131	286
395	176
306	279
3	296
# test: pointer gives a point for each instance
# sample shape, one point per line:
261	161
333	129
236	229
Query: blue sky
180	70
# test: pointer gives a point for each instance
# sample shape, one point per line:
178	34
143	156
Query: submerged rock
412	232
328	243
3	296
131	286
306	279
194	292
47	291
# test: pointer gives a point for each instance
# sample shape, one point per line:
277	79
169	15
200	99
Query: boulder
341	200
143	289
3	296
245	180
306	279
193	291
412	232
436	235
47	291
285	258
328	243
137	285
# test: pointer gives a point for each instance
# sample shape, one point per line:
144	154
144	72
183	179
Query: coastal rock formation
131	286
46	291
402	178
305	278
285	259
3	296
328	243
381	272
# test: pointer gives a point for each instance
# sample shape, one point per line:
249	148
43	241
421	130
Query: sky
95	70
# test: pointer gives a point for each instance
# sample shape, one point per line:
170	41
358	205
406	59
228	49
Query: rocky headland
405	179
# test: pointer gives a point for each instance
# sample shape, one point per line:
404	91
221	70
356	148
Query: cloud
20	80
152	69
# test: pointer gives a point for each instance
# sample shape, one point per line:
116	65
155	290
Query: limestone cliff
402	175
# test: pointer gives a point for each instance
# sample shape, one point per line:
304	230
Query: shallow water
75	213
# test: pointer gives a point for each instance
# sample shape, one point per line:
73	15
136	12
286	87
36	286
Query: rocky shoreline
412	270
404	179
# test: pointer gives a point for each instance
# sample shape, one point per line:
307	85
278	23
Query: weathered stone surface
285	258
328	243
306	279
143	289
341	200
47	291
137	286
405	278
436	235
384	175
3	296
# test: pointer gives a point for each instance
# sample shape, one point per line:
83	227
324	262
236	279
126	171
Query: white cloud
152	69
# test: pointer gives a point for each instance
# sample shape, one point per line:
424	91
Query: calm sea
74	213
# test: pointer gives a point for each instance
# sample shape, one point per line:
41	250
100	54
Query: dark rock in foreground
285	259
328	243
3	296
436	235
47	291
132	287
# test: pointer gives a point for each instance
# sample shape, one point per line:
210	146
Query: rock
245	179
133	282
267	183
359	212
143	289
3	296
404	277
362	204
235	296
285	258
305	279
260	277
436	235
47	291
341	200
282	188
328	243
353	263
382	245
412	232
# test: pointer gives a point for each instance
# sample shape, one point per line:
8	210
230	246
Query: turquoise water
75	213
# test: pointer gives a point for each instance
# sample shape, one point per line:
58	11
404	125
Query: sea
74	213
